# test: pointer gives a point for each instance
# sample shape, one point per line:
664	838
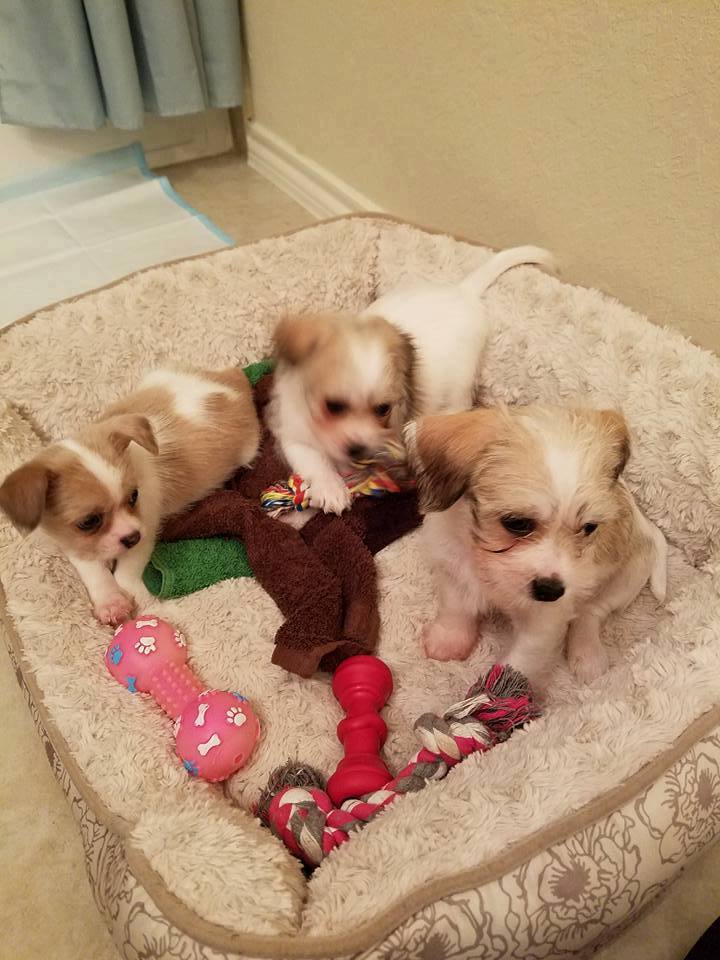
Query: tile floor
46	906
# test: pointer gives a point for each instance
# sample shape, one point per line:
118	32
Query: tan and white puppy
527	516
346	384
102	494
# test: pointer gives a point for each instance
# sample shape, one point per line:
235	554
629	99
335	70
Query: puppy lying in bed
345	385
527	515
102	494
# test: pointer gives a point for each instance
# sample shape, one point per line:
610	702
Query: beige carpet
57	928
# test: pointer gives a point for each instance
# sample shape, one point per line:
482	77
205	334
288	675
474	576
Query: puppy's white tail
658	571
479	280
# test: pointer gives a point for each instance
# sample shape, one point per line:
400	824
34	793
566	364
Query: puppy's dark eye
518	526
335	407
382	410
132	499
589	528
90	523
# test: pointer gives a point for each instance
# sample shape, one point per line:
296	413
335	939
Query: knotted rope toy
300	812
374	477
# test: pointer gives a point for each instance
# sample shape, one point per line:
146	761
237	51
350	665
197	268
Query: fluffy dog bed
536	850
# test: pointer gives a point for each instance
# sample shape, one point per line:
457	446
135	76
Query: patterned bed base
563	902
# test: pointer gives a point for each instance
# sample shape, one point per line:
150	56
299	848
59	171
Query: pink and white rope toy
312	821
215	730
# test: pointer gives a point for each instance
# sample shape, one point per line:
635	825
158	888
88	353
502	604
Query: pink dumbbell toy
215	730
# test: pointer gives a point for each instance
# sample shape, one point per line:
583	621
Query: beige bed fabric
210	868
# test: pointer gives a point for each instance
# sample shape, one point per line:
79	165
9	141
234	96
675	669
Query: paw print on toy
179	638
145	645
236	716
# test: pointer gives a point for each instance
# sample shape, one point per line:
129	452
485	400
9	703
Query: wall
589	126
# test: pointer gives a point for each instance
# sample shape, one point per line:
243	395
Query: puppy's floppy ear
296	336
127	427
405	362
617	436
402	357
444	451
24	492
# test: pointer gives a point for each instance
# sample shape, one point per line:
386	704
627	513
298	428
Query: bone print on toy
200	718
205	748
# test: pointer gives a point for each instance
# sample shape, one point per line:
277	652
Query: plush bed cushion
215	875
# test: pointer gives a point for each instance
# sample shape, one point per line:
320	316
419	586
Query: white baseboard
312	186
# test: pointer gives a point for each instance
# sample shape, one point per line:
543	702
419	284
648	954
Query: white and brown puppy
527	515
101	495
346	384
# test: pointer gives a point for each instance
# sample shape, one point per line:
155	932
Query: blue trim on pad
170	191
124	158
98	165
141	160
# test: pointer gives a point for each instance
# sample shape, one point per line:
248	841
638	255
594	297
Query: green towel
256	371
176	569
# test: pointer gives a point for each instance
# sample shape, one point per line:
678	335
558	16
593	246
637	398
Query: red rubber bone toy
362	686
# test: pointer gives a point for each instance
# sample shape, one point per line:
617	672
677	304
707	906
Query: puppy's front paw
114	610
443	641
330	495
588	662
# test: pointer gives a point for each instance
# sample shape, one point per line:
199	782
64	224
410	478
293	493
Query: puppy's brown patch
122	429
24	492
193	456
297	336
445	451
615	434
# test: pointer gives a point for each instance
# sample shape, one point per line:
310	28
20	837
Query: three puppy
527	515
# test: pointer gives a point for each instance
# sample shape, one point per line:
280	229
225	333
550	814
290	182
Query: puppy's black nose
131	539
547	589
356	451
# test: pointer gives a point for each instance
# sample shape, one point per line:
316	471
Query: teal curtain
80	63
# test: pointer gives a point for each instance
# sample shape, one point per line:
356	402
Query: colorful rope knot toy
215	730
385	473
302	814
